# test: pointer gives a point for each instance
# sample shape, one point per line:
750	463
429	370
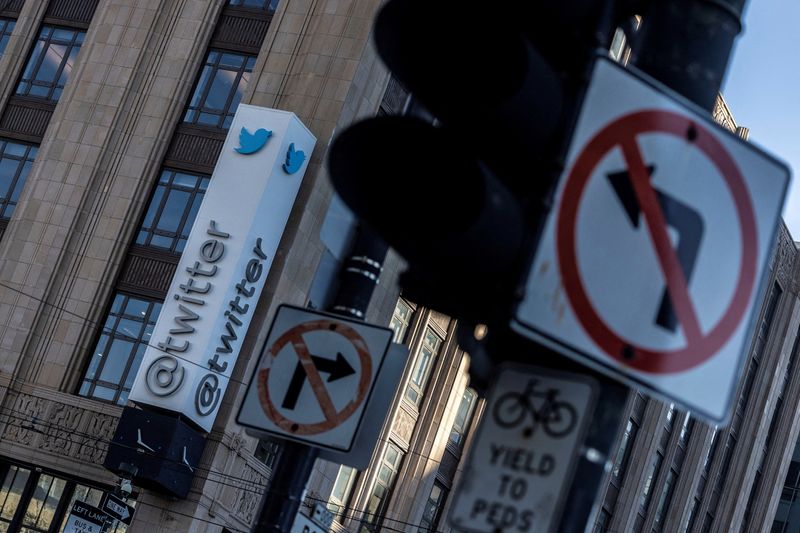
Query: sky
762	88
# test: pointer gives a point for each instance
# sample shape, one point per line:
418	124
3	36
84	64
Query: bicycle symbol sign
314	378
524	454
556	417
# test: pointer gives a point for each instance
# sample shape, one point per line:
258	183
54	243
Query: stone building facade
112	115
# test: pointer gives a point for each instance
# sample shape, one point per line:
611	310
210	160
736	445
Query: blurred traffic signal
462	199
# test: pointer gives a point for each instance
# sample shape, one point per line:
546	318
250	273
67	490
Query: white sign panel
314	377
651	263
524	453
380	402
303	524
224	265
84	518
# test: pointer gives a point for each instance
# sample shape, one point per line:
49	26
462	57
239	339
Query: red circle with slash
333	416
701	345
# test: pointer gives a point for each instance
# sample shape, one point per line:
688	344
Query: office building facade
112	116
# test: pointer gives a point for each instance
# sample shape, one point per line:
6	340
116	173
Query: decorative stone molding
99	430
441	320
54	427
241	478
22	420
403	426
247	498
65	420
722	114
783	261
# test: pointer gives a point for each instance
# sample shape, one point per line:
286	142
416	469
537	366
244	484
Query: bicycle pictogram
557	417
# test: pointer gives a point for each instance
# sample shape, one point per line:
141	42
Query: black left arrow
687	222
335	368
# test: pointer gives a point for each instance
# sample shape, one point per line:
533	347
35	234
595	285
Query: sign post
650	265
525	451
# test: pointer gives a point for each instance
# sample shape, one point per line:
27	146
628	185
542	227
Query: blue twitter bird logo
294	160
250	143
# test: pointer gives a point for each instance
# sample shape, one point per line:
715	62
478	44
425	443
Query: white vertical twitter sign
211	300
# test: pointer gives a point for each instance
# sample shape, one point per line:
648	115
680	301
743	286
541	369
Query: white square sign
314	377
524	453
651	262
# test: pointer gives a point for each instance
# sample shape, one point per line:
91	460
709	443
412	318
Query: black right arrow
682	218
335	368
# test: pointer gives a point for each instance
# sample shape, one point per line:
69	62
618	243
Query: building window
34	501
401	320
693	513
787	517
381	492
624	451
6	27
603	520
647	492
219	89
267	451
686	430
15	165
433	508
14	483
664	501
617	45
463	417
709	519
422	366
342	488
50	63
118	353
265	5
172	210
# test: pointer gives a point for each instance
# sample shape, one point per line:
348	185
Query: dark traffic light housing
462	199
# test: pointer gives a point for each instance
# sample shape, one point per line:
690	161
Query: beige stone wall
83	198
63	250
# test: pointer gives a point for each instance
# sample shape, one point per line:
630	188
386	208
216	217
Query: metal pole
686	45
357	279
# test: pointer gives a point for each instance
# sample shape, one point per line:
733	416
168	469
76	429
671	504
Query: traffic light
462	199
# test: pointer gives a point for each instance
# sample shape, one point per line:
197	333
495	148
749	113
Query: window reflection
119	351
40	501
50	63
219	89
6	27
11	494
266	5
15	164
422	366
172	210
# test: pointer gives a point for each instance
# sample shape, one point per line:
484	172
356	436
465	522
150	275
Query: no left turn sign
650	265
621	135
314	377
